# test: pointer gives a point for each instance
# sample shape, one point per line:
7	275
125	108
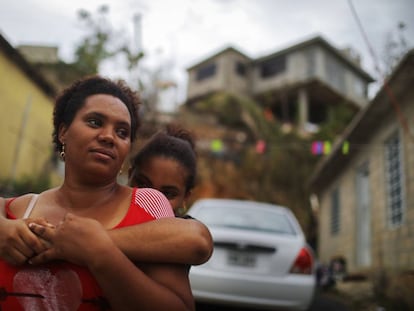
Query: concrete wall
25	123
391	247
314	62
39	54
225	78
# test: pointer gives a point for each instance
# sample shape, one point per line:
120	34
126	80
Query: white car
260	259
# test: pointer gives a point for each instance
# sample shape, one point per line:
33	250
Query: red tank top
62	286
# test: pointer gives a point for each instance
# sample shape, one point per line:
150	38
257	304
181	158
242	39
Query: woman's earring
62	153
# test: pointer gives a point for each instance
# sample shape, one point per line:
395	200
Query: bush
26	184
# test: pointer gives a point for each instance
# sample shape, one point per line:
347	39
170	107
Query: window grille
335	211
394	180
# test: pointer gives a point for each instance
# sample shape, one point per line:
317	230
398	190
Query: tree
101	43
276	174
395	48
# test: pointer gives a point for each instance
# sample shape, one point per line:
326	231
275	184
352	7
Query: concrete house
366	196
46	61
26	103
300	84
228	70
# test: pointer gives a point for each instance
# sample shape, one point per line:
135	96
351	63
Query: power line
387	88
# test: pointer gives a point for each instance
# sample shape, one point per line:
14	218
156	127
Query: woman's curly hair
73	98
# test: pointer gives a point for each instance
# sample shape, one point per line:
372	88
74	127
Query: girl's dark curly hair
73	98
174	143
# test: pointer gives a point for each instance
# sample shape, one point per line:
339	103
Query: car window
252	218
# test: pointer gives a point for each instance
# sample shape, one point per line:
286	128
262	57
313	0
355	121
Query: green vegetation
101	43
26	184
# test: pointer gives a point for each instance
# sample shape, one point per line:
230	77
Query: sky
177	34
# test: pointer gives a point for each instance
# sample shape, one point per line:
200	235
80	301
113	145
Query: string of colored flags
217	146
324	147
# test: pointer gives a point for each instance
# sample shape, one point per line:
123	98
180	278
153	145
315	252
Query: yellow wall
17	93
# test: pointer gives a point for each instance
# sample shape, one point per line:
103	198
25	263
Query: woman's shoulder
153	201
18	205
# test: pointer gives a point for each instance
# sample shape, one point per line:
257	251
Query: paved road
323	302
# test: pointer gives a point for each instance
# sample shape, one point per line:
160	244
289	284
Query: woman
167	162
95	122
18	243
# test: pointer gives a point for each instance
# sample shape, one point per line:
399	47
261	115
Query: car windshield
252	218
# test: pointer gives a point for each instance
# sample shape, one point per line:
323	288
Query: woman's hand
85	242
17	242
75	239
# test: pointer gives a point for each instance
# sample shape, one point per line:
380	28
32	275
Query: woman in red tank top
95	121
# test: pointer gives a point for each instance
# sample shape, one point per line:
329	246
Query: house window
335	208
206	71
240	69
273	66
394	180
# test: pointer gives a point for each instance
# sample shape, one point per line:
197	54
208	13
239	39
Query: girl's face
166	175
98	139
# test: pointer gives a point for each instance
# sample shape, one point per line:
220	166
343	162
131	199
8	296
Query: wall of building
236	83
282	79
25	123
340	244
314	62
39	54
356	89
340	77
225	78
391	248
197	88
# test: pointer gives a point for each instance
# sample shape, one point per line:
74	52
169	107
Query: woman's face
98	139
164	174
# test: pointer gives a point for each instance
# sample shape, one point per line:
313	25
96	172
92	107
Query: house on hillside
227	71
26	102
39	54
45	59
300	85
366	196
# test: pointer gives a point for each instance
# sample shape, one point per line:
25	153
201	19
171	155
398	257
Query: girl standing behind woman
168	163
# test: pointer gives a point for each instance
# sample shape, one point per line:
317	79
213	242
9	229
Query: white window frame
394	180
